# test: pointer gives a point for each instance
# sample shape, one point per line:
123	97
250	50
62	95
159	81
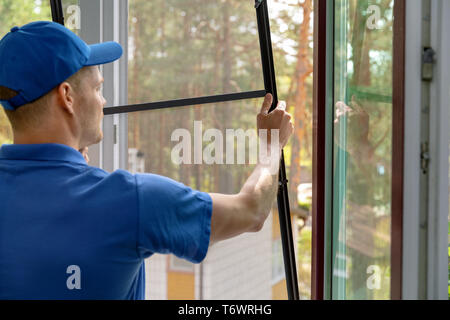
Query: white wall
240	268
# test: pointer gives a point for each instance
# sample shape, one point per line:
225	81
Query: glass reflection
362	144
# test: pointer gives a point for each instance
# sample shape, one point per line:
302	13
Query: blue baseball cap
39	56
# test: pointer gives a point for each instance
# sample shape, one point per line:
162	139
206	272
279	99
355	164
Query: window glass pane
184	49
18	13
292	41
362	157
246	267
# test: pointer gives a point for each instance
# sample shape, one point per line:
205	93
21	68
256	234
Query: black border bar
184	102
289	254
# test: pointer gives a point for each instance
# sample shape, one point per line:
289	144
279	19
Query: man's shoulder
154	180
145	182
118	175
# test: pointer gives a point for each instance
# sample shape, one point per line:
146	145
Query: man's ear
66	97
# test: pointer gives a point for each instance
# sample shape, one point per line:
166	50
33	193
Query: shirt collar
41	152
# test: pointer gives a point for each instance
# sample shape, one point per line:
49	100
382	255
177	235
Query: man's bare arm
247	211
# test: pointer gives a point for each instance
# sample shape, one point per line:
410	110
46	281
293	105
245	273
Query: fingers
342	109
340	105
267	104
279	119
268	100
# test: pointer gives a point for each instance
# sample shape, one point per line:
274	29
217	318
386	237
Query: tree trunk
302	71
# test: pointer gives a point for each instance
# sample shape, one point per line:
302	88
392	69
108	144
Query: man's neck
30	138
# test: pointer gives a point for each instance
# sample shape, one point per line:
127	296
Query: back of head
35	59
34	114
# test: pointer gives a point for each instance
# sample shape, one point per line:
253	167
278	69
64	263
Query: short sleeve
173	218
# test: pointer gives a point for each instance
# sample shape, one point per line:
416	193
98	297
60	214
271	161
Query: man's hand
84	152
278	119
247	211
357	127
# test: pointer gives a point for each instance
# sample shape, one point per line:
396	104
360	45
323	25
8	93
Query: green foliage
21	12
304	262
305	206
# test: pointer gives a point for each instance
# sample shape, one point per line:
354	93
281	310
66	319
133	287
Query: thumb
267	104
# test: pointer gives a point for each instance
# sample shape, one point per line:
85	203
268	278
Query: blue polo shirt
72	231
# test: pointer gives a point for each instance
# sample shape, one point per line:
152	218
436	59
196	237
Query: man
72	231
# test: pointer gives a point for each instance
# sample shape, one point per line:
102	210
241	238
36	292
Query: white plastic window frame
101	21
437	273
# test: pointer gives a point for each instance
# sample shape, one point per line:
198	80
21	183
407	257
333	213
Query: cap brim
102	53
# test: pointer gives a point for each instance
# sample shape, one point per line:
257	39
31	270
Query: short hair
6	93
33	114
